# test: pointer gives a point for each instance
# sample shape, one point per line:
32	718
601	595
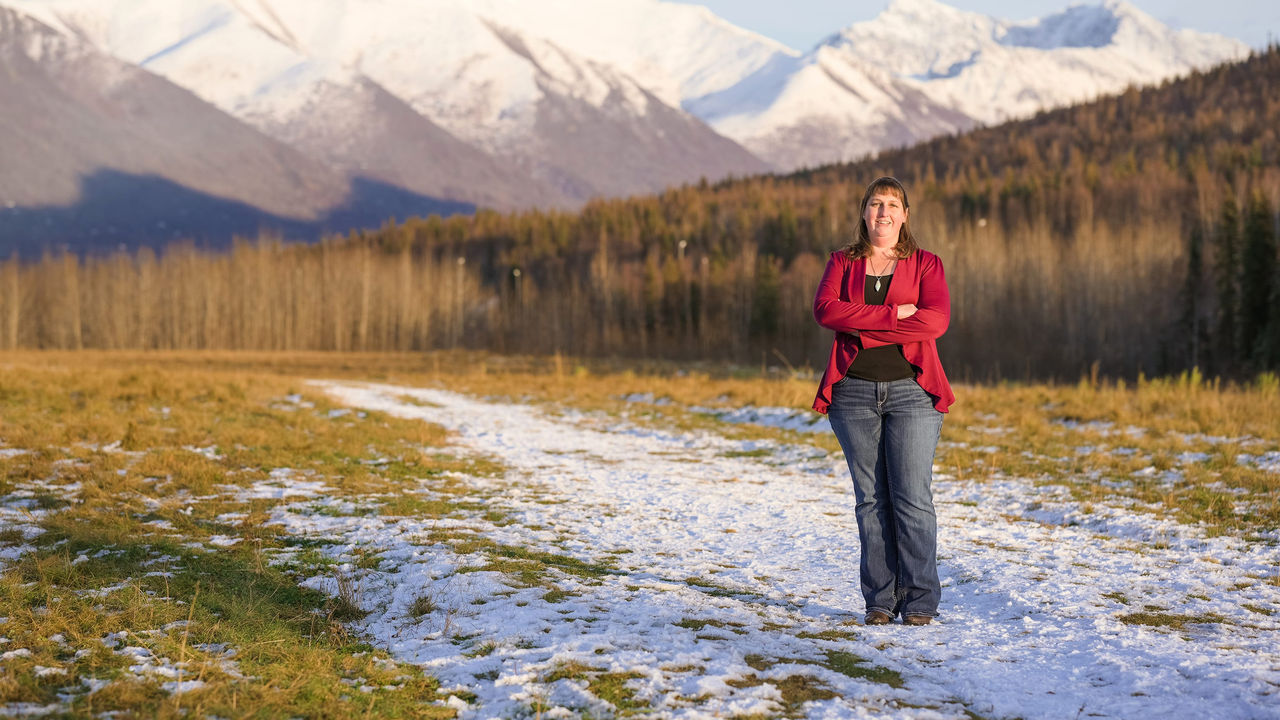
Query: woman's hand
906	311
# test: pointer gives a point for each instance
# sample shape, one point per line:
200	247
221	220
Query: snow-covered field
718	578
613	565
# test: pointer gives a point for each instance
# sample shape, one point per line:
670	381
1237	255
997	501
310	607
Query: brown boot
875	617
917	620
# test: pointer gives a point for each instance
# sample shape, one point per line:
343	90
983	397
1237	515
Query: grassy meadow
153	583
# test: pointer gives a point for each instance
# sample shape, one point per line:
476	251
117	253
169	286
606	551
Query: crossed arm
841	315
932	316
885	324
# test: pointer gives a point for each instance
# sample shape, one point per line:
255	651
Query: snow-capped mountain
922	68
580	124
69	111
823	107
676	51
252	69
323	75
97	152
994	70
519	103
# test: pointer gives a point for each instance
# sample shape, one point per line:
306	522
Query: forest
1134	234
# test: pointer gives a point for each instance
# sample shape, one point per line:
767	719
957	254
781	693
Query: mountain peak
915	5
1121	7
929	10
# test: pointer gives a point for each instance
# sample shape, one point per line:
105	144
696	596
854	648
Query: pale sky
802	23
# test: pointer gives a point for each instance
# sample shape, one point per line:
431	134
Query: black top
884	363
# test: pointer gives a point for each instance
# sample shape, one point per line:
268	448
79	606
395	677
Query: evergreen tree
766	299
1227	261
1268	357
1257	278
1192	300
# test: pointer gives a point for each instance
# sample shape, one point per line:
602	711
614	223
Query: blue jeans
889	431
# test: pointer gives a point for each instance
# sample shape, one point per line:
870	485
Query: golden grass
1178	416
140	461
795	690
1129	441
1187	404
1169	620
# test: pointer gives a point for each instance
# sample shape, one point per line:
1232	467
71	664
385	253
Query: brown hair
861	245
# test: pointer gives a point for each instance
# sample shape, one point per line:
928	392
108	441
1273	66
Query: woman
885	392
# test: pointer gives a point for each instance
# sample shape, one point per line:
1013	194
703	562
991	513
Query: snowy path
738	568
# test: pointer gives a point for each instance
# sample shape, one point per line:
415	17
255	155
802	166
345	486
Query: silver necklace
876	275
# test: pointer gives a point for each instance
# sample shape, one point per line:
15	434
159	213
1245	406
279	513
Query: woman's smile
884	216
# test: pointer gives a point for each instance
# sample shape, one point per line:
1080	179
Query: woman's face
884	217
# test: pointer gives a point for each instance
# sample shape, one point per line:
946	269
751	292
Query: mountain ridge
509	104
986	70
80	110
266	61
99	153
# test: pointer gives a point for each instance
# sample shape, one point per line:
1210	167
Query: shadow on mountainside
119	210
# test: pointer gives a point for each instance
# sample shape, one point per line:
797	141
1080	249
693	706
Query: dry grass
610	687
140	467
1004	430
1171	445
1169	620
795	691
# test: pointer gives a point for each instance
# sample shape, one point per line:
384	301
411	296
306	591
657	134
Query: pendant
877	284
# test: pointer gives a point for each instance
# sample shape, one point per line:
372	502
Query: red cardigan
839	306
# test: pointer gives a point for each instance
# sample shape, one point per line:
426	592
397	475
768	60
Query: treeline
1131	234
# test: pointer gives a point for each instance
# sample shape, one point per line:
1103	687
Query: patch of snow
104	591
20	511
1197	438
27	709
805	421
283	483
161	559
989	430
1099	426
1267	462
210	452
647	399
115	639
146	664
177	687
